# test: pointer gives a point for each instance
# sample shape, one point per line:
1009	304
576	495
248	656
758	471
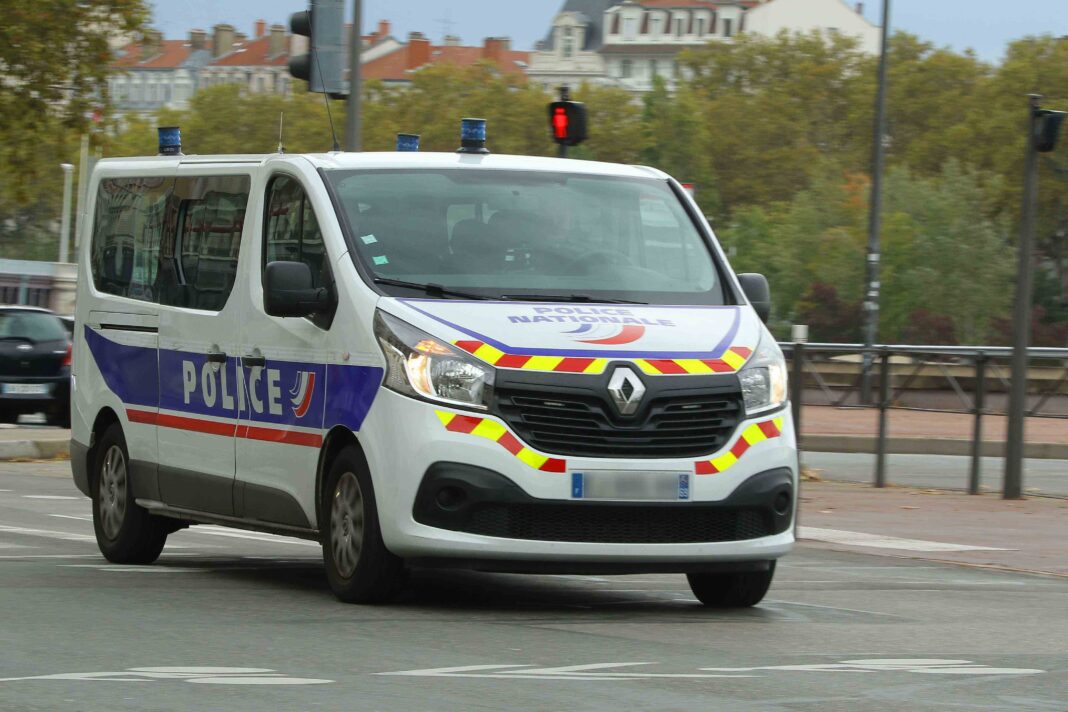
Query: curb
34	449
865	444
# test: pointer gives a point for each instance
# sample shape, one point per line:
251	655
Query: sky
983	25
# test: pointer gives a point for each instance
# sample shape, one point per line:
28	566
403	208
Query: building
570	53
643	38
397	66
259	64
628	43
157	73
831	17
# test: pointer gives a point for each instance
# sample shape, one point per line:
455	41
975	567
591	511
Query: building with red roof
397	66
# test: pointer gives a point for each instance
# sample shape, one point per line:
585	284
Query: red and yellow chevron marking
730	362
492	430
755	433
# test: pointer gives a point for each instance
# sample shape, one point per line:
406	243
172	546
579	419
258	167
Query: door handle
253	361
216	357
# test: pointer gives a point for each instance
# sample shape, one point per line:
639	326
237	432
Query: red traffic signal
567	122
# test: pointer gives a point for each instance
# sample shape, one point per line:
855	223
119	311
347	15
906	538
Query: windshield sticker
381	260
369	239
598	331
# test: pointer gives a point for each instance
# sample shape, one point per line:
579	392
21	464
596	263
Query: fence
948	379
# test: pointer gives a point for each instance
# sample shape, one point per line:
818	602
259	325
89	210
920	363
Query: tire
359	567
740	589
9	416
125	533
59	417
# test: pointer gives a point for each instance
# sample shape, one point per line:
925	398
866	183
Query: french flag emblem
301	394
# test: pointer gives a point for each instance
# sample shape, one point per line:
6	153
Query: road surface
241	621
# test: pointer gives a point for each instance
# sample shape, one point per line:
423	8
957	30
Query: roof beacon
473	136
408	143
170	141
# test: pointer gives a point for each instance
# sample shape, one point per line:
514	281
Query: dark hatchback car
35	350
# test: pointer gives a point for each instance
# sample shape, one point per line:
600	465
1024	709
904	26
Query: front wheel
359	567
125	532
739	589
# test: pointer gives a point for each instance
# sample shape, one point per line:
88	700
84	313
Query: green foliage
775	132
54	60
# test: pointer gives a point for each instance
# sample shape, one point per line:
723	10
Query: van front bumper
447	496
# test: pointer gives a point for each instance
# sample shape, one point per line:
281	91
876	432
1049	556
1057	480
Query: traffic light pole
353	121
1012	487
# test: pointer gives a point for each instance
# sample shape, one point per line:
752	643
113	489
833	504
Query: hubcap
346	524
112	491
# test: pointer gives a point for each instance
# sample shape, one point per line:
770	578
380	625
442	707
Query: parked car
35	357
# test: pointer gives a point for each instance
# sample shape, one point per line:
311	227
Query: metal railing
920	378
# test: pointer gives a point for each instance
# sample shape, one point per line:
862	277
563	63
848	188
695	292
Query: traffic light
567	121
1047	129
323	24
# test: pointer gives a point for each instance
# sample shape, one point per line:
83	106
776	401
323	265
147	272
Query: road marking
200	675
4	545
268	538
71	516
48	496
136	569
579	673
47	533
878	541
926	666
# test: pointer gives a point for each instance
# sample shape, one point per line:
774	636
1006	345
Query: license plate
25	389
629	485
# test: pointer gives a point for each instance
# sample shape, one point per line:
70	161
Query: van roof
394	160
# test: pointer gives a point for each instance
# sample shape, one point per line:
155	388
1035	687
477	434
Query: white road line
878	541
251	536
71	516
47	533
48	496
14	546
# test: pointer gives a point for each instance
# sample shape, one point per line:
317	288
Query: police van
495	362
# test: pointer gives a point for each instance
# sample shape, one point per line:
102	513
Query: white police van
496	362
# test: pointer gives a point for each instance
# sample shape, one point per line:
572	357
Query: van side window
199	259
292	233
127	233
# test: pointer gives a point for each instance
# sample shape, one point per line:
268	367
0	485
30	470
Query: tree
54	59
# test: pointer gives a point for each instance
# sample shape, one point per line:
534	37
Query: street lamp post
871	293
64	224
353	122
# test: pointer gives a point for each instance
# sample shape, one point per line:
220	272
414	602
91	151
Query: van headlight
421	366
764	378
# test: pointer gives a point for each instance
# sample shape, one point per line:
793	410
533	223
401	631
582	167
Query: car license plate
25	389
630	485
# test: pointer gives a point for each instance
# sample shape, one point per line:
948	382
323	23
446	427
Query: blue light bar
170	141
407	143
473	136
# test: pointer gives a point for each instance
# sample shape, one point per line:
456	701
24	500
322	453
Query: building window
679	26
654	26
652	68
728	28
630	28
700	27
568	42
625	69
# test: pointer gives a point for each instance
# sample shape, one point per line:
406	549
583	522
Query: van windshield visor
500	233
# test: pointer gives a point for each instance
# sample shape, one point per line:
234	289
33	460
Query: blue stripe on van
284	393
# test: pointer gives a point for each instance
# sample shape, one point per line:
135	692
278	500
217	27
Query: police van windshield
520	234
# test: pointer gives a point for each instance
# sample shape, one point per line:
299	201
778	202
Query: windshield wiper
585	298
433	290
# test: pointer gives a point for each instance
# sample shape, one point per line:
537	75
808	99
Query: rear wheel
739	589
125	532
358	566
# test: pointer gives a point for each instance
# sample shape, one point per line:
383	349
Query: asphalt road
1047	477
241	621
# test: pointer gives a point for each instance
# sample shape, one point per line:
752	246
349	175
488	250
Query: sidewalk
983	530
828	429
33	443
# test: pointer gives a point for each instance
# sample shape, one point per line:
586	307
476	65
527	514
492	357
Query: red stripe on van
286	437
194	424
141	416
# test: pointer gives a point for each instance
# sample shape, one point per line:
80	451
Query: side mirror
288	290
758	293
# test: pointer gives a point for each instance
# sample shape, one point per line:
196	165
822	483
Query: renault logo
626	390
